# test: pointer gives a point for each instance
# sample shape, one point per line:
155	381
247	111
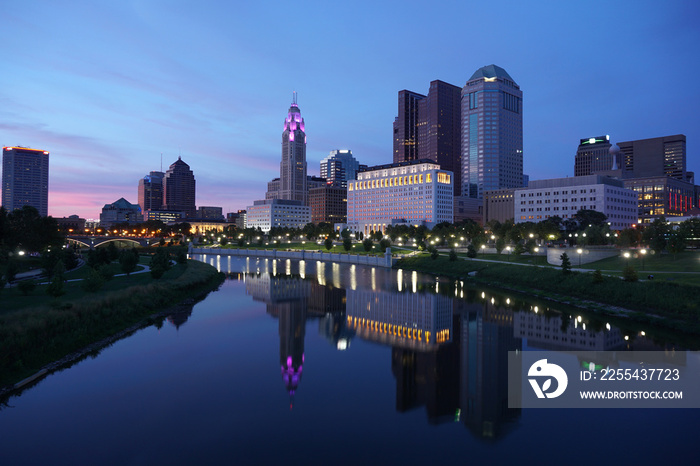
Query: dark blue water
291	364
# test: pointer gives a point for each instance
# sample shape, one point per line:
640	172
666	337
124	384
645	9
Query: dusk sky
107	87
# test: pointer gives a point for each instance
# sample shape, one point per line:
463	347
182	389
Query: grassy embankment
675	304
37	329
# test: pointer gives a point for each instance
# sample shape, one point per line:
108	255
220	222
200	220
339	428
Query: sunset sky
107	87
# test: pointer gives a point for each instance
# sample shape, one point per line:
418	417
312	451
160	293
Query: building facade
594	156
429	127
468	208
564	197
151	191
492	132
179	189
662	156
210	213
25	179
329	204
413	193
662	196
498	205
340	167
293	182
270	213
120	211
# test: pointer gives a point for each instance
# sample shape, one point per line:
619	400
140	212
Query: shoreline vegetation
49	336
665	304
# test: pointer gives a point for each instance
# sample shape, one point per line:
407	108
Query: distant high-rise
593	156
293	166
25	179
179	189
340	167
492	132
429	127
151	191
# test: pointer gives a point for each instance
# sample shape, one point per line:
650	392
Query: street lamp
483	247
508	250
643	252
579	251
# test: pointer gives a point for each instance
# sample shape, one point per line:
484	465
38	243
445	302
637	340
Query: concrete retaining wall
375	261
587	255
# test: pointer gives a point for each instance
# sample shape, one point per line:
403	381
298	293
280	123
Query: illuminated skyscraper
151	191
492	132
340	167
292	183
179	189
25	179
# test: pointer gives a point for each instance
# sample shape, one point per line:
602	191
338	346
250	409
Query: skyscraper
593	156
293	166
25	179
179	189
429	127
663	156
151	191
340	167
492	132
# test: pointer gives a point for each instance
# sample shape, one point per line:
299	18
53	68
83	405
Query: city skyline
137	80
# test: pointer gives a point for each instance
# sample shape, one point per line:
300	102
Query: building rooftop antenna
294	97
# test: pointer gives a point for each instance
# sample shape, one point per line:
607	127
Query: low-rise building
563	197
662	196
414	193
120	211
269	213
498	205
329	203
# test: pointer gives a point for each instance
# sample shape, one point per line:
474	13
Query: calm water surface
316	363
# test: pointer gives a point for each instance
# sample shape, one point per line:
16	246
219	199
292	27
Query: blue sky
108	86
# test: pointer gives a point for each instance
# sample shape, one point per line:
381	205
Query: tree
500	244
433	253
128	261
347	244
112	251
453	255
55	287
367	244
655	234
676	242
565	264
586	217
598	276
161	243
518	249
629	238
93	282
384	243
328	243
345	233
26	287
11	270
471	251
629	274
309	231
160	263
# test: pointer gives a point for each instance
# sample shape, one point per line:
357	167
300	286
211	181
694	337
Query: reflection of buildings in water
409	320
548	333
333	327
292	300
486	337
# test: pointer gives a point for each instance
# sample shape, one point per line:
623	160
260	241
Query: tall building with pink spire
292	184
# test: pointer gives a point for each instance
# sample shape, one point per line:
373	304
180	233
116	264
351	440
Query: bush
453	255
433	253
367	244
55	288
11	270
384	243
347	243
128	261
106	272
471	251
26	287
93	282
629	274
598	277
328	243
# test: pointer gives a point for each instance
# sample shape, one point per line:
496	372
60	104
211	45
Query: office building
594	156
120	211
293	178
25	179
270	213
564	197
340	167
151	191
165	216
498	205
429	127
662	156
492	132
210	213
468	208
662	196
179	189
329	204
413	193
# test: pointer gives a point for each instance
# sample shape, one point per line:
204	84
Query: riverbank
35	338
671	305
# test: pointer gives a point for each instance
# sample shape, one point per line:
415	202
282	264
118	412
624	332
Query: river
320	363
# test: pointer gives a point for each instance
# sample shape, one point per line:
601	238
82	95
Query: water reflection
449	342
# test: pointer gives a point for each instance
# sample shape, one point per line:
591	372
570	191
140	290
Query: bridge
95	241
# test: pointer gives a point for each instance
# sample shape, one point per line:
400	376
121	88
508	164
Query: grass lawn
686	261
521	259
